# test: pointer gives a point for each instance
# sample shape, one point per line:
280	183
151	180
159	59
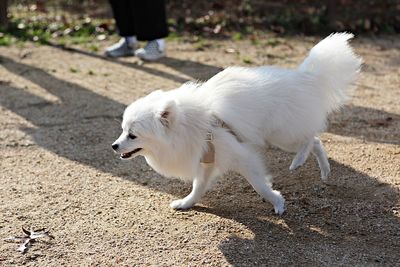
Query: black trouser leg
123	15
146	18
150	20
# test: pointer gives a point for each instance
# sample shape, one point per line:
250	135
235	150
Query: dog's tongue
126	155
129	154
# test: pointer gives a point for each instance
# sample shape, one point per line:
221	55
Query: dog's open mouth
129	154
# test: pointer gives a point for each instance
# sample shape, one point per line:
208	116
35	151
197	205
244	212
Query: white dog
201	130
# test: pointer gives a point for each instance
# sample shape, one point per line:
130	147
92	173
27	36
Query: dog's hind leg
302	155
249	163
319	151
253	170
200	186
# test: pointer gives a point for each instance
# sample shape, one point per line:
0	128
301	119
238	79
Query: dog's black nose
115	146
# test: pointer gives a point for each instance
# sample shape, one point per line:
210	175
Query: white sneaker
152	51
121	49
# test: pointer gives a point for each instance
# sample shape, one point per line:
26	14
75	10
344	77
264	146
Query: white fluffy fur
284	107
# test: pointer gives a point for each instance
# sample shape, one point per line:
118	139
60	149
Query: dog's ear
167	112
155	93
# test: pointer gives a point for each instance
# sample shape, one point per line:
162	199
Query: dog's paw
294	165
181	204
325	173
298	161
279	205
279	209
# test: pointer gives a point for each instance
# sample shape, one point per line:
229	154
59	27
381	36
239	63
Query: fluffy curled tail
335	66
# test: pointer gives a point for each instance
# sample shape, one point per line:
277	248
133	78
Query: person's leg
123	15
124	19
150	25
150	20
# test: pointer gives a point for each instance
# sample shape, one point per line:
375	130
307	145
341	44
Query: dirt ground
59	115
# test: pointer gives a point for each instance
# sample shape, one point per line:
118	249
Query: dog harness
209	155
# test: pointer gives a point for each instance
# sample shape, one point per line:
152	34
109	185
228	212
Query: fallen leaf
230	50
24	246
29	238
101	37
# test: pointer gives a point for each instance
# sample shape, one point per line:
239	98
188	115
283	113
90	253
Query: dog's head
144	125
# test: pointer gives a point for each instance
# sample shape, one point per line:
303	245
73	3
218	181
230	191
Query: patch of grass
237	36
61	41
93	47
25	25
201	45
249	29
254	40
247	60
80	39
73	70
173	36
273	42
6	40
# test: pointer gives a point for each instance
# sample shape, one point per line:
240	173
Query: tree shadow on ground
193	69
80	125
350	222
369	124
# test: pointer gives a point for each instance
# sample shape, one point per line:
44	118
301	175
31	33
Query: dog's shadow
353	220
81	125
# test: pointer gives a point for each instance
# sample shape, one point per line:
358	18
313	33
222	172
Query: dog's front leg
200	187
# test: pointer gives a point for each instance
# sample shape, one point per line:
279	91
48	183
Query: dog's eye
131	136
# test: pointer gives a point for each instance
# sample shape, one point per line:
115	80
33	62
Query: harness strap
209	155
220	123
